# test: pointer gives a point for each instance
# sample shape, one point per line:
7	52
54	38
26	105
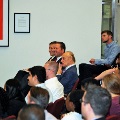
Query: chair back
56	107
76	84
113	117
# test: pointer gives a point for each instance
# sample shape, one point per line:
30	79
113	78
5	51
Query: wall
75	22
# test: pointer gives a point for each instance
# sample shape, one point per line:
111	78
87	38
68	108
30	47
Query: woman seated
73	105
112	83
16	101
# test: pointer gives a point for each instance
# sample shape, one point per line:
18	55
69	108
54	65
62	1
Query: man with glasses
96	102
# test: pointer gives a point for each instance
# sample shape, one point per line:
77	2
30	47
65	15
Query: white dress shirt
49	116
72	116
42	85
55	87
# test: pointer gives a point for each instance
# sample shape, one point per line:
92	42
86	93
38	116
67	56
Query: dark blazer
68	78
103	118
52	59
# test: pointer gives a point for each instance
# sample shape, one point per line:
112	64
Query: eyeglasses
83	101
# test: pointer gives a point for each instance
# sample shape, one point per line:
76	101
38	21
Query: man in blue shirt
97	66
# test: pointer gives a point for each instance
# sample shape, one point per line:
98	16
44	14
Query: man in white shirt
52	82
37	77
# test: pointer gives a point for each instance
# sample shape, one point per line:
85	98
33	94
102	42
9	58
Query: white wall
75	22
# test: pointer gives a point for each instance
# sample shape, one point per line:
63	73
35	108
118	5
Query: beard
105	41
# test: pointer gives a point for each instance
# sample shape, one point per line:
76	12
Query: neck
51	76
114	95
93	116
109	41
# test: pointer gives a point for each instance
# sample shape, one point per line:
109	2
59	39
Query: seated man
40	96
37	77
99	65
52	82
96	102
68	75
31	112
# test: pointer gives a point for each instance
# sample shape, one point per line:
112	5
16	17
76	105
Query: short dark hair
40	96
39	71
85	82
31	112
108	32
62	45
99	99
53	42
75	97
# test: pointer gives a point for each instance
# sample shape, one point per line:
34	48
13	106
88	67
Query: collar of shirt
40	85
58	58
51	80
69	66
109	45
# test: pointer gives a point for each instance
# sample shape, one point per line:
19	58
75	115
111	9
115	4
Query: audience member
22	76
16	100
96	102
4	102
52	51
59	50
111	82
31	112
40	96
68	75
52	82
87	81
99	65
37	77
73	105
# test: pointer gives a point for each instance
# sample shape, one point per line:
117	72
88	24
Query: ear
35	77
89	108
32	102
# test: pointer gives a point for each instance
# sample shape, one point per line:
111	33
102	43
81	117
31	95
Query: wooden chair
56	107
75	85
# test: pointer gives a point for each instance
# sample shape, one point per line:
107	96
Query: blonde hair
112	83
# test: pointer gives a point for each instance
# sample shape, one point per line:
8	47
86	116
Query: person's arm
104	73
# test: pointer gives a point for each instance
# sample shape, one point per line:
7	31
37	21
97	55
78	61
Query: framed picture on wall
21	22
4	23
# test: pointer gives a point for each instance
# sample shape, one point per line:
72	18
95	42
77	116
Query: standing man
68	75
59	50
52	51
99	65
95	103
52	82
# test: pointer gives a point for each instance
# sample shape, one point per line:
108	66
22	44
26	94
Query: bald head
68	59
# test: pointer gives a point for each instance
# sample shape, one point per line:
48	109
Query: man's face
58	50
52	49
30	79
105	37
68	104
65	60
84	108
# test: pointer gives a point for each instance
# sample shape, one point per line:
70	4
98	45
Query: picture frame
4	23
21	22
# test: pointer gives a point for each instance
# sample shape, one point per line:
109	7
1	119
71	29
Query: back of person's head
75	97
31	112
52	65
112	83
39	71
4	101
85	82
12	88
108	32
99	99
39	96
